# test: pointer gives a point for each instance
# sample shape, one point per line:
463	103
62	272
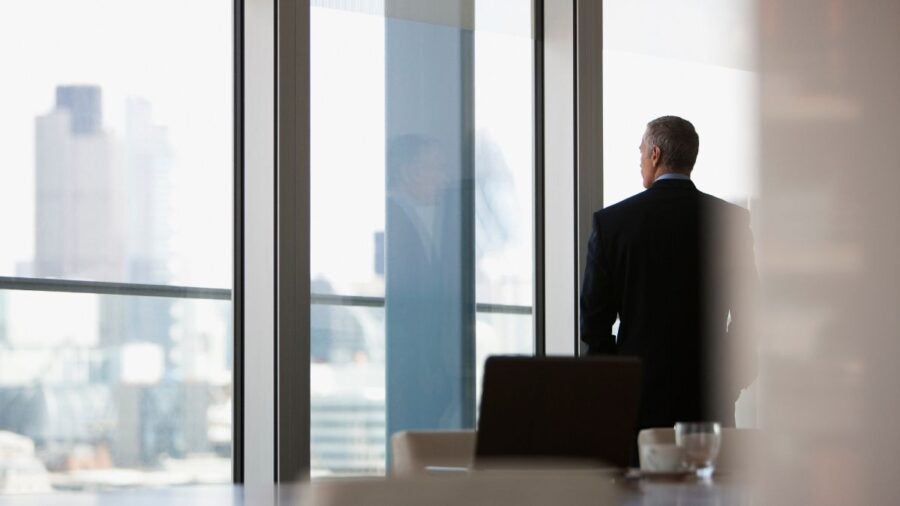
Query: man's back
654	260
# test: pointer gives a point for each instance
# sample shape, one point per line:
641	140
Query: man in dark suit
663	262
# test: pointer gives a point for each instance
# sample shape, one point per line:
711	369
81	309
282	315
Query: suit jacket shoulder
618	215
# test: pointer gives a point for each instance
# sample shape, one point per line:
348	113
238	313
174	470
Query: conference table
521	488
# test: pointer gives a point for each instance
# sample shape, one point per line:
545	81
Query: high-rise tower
80	228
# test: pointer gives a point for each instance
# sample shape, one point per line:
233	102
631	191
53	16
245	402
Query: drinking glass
700	442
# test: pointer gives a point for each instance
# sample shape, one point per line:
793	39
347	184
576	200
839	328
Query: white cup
661	457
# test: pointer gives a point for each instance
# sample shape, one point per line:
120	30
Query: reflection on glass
423	120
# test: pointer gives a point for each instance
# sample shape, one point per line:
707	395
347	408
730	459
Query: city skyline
119	388
147	366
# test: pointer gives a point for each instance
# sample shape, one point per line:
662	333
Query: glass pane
89	400
118	169
117	154
693	59
422	162
347	418
501	333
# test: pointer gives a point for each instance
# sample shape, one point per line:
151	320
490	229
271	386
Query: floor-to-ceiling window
116	258
695	59
421	215
692	59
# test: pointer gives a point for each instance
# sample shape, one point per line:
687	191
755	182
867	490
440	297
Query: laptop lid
559	408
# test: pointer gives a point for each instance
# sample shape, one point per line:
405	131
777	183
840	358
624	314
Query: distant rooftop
84	104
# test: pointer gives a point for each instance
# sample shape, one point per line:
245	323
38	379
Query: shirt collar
673	175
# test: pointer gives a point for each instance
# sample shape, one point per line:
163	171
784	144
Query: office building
78	171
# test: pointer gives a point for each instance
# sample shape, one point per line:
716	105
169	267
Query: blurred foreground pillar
829	250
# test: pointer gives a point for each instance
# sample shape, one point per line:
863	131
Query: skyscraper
79	225
149	161
148	157
102	214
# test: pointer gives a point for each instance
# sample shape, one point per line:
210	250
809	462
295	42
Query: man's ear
655	155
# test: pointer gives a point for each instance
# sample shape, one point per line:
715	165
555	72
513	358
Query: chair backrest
738	445
414	451
561	408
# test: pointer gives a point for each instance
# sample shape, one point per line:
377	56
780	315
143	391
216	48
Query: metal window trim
573	166
258	241
292	184
558	178
237	295
539	293
113	288
204	293
588	134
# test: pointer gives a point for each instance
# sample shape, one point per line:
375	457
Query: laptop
580	409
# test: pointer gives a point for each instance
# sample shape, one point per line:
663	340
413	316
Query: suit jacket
661	262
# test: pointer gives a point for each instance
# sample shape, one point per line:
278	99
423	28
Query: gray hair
677	141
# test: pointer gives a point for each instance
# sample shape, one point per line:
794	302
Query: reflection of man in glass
422	244
662	262
416	178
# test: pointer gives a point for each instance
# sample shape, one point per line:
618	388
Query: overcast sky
174	53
